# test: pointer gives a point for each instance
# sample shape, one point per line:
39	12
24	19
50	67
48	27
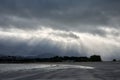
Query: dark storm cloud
76	27
63	12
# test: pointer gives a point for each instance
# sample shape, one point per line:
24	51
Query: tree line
19	59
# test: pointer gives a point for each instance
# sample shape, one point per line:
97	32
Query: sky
60	27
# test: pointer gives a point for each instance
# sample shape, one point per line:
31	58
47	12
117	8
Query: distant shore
18	59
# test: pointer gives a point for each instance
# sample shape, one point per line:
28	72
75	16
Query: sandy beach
61	71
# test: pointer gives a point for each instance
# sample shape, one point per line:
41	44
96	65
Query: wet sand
61	71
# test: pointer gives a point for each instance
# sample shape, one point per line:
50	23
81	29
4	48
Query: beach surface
61	71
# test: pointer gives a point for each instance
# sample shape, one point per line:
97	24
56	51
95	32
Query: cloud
64	12
63	27
59	42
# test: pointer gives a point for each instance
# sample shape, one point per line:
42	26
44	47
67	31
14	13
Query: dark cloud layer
64	21
65	12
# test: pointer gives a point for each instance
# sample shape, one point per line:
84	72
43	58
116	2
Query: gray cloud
65	12
74	23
